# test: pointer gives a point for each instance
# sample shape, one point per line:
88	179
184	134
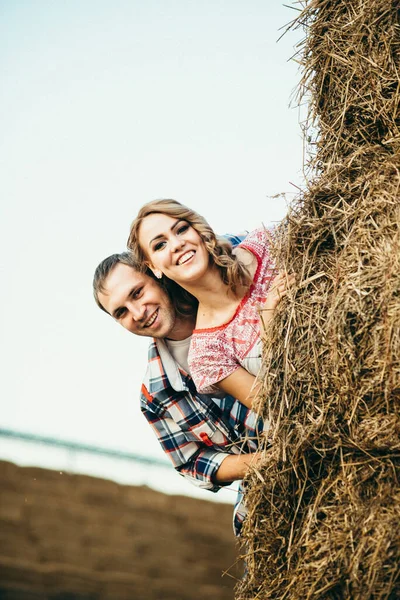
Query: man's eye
136	293
120	313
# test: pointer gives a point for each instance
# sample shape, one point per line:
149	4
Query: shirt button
206	439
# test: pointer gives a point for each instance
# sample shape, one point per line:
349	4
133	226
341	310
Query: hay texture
324	507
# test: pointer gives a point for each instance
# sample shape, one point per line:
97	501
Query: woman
176	242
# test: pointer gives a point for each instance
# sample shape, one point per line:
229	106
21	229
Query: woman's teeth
186	257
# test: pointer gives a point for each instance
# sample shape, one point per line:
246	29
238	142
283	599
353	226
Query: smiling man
210	441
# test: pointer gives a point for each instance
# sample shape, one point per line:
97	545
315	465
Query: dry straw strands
324	507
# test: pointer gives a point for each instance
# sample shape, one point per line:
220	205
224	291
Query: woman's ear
155	271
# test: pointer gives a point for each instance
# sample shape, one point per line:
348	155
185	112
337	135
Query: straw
324	506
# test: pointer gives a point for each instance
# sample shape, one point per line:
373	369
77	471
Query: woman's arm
241	385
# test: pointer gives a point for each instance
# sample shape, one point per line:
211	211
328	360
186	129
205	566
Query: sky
105	106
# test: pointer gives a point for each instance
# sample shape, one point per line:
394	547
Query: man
210	441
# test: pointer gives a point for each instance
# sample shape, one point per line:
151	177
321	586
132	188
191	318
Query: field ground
74	537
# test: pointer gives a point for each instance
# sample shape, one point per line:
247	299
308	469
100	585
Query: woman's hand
278	290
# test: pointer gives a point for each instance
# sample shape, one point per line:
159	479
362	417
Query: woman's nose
177	243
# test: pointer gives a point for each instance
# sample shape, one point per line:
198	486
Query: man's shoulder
152	350
163	377
235	239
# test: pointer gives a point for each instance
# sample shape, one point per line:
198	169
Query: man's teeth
185	257
150	322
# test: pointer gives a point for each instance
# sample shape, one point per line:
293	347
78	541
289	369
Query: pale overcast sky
105	106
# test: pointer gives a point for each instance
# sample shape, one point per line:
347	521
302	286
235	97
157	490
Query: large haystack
324	510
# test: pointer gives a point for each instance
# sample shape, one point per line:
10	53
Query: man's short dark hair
104	269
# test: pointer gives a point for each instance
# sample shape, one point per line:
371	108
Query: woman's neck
211	291
217	301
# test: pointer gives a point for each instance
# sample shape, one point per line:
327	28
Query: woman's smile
173	247
185	258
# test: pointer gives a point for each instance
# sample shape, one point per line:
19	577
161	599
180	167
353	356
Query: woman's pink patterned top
217	352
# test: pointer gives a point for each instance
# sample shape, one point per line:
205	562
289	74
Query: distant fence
79	447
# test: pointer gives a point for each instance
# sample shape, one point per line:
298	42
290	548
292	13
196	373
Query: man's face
138	302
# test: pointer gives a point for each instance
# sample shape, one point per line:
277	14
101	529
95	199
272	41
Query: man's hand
235	466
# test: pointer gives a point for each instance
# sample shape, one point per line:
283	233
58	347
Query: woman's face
173	247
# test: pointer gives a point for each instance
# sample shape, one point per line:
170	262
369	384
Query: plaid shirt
196	431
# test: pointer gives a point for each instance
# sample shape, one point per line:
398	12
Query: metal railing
79	447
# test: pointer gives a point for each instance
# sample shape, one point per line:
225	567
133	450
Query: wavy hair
232	272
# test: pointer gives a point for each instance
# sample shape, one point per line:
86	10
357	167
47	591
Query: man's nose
137	311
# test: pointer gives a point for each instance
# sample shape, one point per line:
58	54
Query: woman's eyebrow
161	235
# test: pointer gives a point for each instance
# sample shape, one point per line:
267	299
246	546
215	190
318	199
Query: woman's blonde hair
233	273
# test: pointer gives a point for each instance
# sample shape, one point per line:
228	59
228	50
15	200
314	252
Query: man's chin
164	330
159	332
160	329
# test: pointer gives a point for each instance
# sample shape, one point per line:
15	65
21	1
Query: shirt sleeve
201	470
210	361
191	459
259	242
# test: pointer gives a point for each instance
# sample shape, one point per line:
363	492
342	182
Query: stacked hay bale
324	508
74	537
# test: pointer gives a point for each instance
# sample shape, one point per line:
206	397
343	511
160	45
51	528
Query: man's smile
152	319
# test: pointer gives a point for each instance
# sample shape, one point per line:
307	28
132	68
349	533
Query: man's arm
235	466
204	467
193	460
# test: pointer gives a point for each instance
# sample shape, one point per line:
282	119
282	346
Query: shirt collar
170	373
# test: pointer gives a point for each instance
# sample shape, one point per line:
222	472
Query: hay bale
324	508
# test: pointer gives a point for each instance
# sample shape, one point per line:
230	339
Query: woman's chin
191	277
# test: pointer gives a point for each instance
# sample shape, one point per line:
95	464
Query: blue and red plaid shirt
196	431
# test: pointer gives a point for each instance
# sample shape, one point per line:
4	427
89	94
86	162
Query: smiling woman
177	250
225	352
183	222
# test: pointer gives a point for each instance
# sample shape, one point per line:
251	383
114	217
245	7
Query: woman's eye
158	246
182	228
136	293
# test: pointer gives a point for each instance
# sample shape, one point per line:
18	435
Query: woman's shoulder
254	248
257	240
